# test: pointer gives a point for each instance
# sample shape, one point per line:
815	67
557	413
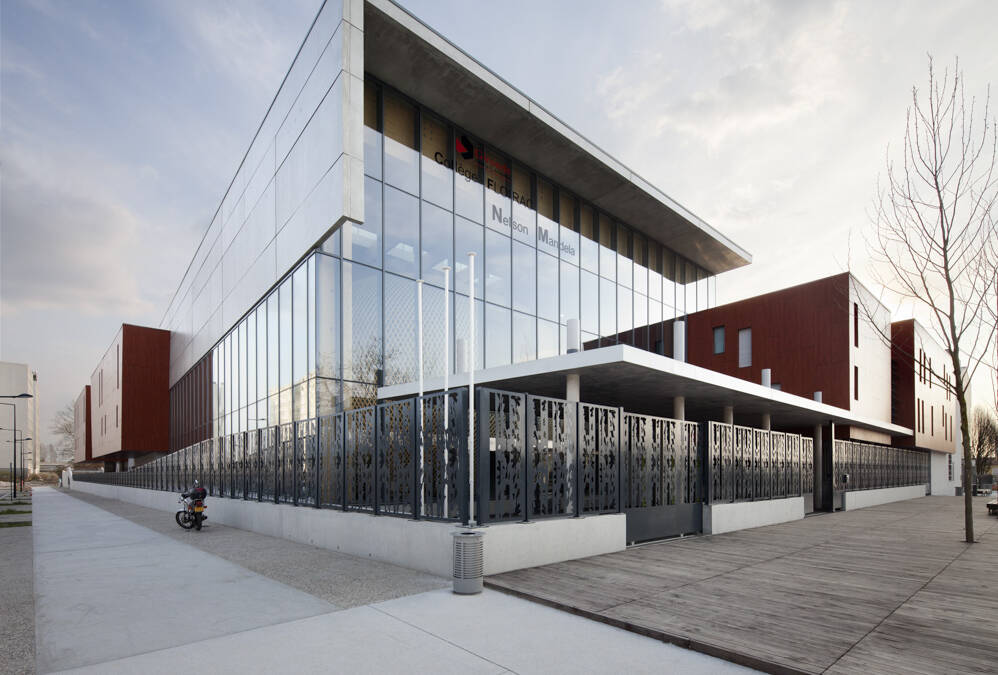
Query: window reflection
401	232
607	254
372	132
547	339
524	221
363	242
497	268
467	238
589	302
438	176
401	161
608	311
547	287
497	336
524	278
438	238
524	337
468	189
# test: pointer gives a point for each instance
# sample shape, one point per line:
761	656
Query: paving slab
106	588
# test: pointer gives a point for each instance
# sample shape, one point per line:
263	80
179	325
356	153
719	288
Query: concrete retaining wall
859	499
417	544
719	518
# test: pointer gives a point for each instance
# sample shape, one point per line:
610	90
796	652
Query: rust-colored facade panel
146	389
83	450
802	334
130	397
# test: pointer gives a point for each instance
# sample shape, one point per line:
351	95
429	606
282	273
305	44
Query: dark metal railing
870	466
535	457
747	464
365	460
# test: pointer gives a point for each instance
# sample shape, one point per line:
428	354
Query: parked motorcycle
192	513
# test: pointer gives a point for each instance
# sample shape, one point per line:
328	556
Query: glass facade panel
438	176
524	337
625	316
361	323
641	321
589	319
401	160
625	265
299	330
569	292
607	254
401	232
327	308
438	243
362	243
547	339
497	268
524	224
524	278
468	238
401	358
372	131
547	287
469	200
285	334
497	336
462	326
608	311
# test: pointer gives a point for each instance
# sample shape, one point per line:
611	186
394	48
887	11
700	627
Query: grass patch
12	512
23	523
15	503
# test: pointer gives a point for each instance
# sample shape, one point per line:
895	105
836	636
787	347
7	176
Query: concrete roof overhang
413	58
643	382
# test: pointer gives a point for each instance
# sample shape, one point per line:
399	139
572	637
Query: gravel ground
343	580
17	598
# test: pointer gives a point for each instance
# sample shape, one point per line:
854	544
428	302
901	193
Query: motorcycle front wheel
184	520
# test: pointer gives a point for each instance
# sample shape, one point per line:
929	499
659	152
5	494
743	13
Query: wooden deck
888	589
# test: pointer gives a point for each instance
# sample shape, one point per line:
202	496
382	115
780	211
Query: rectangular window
932	420
115	417
949	466
719	339
401	159
745	348
117	367
855	324
855	382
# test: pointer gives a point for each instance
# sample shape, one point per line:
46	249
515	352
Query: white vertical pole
446	381
419	343
471	388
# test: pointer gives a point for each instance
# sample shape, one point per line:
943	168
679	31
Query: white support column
471	388
572	387
767	422
679	340
679	408
729	414
446	271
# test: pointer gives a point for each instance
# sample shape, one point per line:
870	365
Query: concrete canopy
411	57
643	382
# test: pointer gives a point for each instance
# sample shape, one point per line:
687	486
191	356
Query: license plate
198	509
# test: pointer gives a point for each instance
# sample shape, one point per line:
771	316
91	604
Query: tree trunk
968	495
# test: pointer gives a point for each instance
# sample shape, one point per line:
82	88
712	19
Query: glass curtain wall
344	321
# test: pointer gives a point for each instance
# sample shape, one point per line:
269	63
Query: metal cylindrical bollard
469	564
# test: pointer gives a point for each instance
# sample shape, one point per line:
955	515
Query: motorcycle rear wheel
184	520
198	518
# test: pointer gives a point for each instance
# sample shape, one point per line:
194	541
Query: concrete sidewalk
115	597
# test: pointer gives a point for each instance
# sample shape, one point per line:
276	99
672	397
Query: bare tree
64	429
935	233
983	441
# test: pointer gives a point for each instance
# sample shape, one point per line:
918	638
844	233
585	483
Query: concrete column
679	408
767	422
729	414
572	387
767	377
817	396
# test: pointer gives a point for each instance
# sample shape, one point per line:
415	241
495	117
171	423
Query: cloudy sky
121	124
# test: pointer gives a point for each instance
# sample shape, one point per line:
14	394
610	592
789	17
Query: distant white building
19	378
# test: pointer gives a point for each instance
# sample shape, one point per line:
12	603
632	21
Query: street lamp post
23	438
13	479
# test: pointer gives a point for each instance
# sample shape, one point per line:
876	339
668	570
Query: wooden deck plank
886	589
